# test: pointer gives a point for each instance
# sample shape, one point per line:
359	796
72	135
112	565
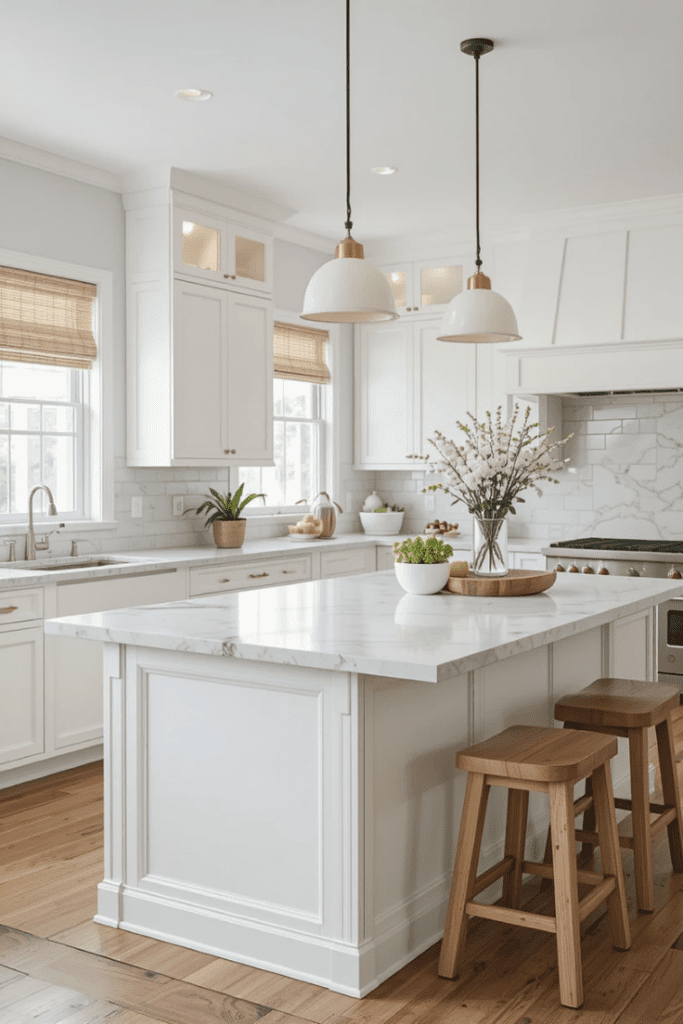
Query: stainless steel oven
654	559
670	647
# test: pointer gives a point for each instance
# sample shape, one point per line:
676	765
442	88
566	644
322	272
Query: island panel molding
370	758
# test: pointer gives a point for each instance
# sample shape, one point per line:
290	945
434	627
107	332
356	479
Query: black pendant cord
476	92
348	225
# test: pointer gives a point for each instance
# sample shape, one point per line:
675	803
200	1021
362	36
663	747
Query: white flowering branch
494	463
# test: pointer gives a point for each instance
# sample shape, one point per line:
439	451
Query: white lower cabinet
385	557
249	575
21	693
347	563
74	667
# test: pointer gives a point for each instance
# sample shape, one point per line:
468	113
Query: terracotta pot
229	533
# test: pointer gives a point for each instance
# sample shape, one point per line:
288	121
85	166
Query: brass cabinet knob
230	451
226	276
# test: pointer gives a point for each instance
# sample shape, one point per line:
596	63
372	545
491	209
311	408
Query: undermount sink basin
81	563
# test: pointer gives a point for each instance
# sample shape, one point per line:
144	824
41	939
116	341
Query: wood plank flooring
58	967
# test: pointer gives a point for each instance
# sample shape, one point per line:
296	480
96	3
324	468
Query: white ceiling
581	101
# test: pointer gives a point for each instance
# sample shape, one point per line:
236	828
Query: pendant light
478	314
347	290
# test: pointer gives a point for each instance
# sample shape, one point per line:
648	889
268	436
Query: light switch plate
136	507
178	505
430	503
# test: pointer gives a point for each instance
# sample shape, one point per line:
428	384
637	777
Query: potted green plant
224	511
422	567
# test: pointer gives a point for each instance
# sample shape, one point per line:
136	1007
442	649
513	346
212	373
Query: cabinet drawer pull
224	581
230	451
10	608
257	575
285	571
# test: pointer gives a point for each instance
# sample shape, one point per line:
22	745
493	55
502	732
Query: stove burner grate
614	544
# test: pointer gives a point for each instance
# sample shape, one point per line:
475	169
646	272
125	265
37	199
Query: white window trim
330	474
98	394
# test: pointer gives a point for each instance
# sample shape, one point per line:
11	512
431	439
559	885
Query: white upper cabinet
211	249
408	385
654	297
425	287
199	336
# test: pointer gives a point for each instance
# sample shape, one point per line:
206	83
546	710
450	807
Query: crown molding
18	153
653	206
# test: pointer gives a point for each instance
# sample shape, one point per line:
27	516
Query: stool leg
515	838
464	874
640	797
671	789
610	852
566	893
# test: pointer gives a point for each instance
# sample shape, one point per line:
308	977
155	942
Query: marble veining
368	624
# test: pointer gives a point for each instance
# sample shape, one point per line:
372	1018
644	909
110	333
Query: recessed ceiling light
194	95
384	170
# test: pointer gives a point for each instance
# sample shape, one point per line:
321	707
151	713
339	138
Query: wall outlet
430	503
178	504
136	507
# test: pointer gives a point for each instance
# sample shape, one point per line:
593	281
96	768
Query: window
299	419
41	437
55	379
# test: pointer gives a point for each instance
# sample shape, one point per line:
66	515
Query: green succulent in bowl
422	552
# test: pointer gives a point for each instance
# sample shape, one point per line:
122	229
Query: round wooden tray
517	583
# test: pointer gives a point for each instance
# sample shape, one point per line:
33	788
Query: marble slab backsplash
625	477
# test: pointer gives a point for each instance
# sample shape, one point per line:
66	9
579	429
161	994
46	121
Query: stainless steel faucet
43	545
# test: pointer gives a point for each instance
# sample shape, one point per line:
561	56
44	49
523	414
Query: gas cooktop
614	544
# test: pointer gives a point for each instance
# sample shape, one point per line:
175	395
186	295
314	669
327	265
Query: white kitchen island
280	781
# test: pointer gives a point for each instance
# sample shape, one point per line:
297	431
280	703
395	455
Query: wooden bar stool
551	761
628	708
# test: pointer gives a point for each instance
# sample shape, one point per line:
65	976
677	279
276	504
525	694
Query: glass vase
490	546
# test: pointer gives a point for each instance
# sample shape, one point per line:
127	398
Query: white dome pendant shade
347	290
479	315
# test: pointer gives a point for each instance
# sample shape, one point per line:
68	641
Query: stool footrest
664	818
624	803
487	878
530	867
508	916
600	893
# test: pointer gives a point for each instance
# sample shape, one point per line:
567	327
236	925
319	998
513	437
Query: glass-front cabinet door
199	246
249	258
435	283
424	288
214	250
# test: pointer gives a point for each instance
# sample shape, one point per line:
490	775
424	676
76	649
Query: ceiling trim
600	213
65	167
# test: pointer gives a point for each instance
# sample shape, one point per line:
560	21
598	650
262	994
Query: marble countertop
16	574
368	624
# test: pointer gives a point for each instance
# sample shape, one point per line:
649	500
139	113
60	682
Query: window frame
97	400
328	450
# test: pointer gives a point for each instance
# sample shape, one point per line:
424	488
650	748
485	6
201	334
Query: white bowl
382	523
422	579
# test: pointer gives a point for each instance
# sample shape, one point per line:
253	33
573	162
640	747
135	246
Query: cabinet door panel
251	259
199	245
21	694
654	303
77	664
445	376
591	299
250	378
200	372
385	396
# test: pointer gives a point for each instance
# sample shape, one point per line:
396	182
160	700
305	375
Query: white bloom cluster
494	462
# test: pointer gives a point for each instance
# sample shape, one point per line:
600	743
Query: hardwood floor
58	967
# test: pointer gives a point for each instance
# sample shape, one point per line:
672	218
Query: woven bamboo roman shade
46	319
299	354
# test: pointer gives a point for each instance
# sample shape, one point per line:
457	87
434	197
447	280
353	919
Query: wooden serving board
517	583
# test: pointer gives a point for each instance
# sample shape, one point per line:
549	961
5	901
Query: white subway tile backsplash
609	426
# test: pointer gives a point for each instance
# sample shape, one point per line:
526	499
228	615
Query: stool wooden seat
521	759
628	708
